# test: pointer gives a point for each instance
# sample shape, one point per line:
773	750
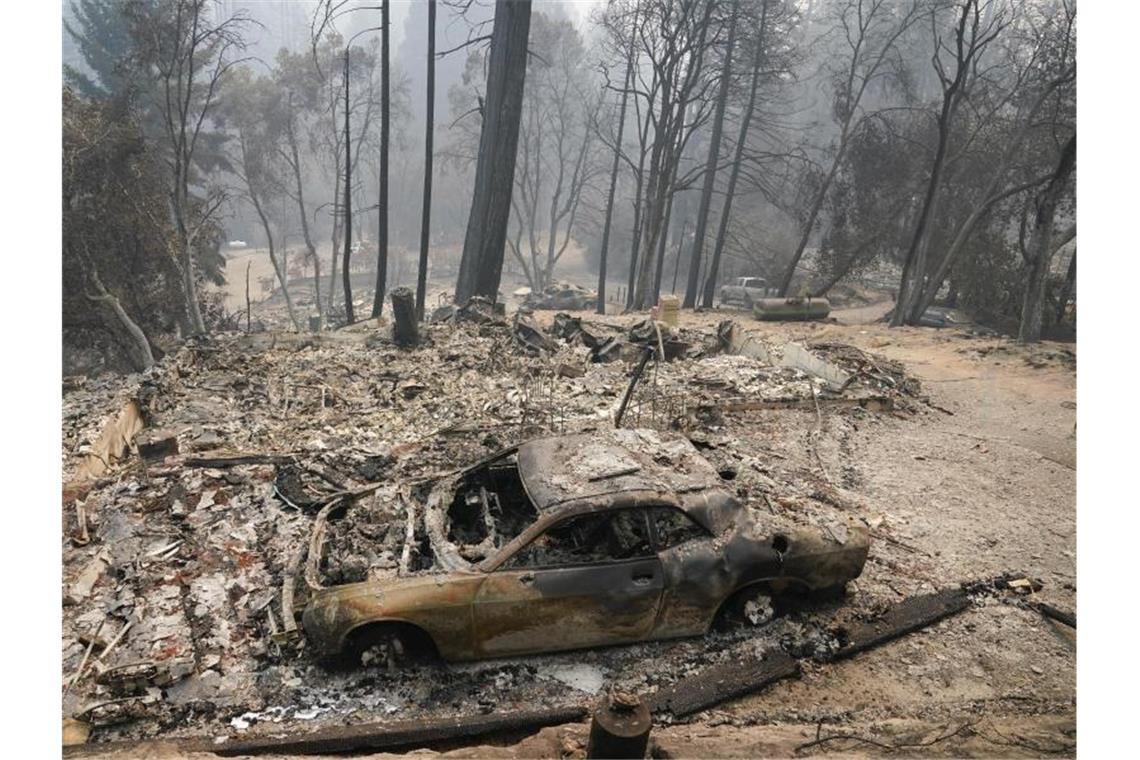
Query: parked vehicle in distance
744	291
562	296
573	541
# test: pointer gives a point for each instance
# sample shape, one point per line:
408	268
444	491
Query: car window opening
588	539
489	509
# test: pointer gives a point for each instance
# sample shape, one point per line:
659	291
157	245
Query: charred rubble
178	541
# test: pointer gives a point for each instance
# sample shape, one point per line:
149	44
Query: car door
695	571
587	580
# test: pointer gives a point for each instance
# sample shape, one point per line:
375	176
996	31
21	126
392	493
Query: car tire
388	647
750	607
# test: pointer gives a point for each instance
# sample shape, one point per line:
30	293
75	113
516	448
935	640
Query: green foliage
102	32
115	224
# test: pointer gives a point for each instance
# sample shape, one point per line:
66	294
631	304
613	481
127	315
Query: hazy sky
578	9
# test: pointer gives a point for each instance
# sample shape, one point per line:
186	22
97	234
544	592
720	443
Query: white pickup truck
744	291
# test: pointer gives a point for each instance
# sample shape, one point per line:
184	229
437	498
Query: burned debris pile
190	488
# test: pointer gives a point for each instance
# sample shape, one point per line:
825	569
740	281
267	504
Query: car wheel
389	654
389	647
750	607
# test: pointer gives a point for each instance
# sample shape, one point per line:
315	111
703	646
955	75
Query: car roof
589	465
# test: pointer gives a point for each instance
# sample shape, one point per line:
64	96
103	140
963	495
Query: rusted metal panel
547	609
440	605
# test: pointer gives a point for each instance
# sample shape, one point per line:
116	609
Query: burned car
568	542
562	296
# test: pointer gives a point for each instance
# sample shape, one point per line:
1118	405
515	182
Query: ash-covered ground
173	590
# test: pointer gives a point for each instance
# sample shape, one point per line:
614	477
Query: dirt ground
981	484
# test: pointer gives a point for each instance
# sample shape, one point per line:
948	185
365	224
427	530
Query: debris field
188	490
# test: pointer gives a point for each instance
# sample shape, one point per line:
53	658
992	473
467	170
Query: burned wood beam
874	403
393	735
1053	613
237	460
905	617
721	683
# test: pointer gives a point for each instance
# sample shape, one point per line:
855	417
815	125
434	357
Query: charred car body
563	296
569	542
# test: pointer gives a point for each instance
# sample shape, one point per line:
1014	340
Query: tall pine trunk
738	158
429	134
305	232
1041	245
382	203
914	267
345	269
602	259
481	268
710	168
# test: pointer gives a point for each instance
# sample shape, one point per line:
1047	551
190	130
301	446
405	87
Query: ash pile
188	489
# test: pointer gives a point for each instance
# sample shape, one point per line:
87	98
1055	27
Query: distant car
744	291
945	316
562	297
574	541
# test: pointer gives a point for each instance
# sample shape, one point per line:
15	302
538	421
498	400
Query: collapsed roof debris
174	563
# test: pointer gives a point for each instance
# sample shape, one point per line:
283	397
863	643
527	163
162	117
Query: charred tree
382	219
678	65
348	313
139	347
429	134
602	259
737	161
1057	80
191	57
862	20
293	159
710	167
1041	244
481	267
971	38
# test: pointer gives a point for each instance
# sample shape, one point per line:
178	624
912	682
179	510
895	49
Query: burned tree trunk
141	355
1067	289
349	316
710	169
601	309
294	161
405	330
382	220
429	133
738	159
638	206
278	266
1041	245
481	268
970	40
657	272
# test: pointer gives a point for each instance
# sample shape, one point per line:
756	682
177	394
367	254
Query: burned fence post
405	331
619	727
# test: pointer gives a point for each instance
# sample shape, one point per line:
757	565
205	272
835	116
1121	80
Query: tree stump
619	727
405	330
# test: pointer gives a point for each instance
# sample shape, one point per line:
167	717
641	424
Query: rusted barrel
619	727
